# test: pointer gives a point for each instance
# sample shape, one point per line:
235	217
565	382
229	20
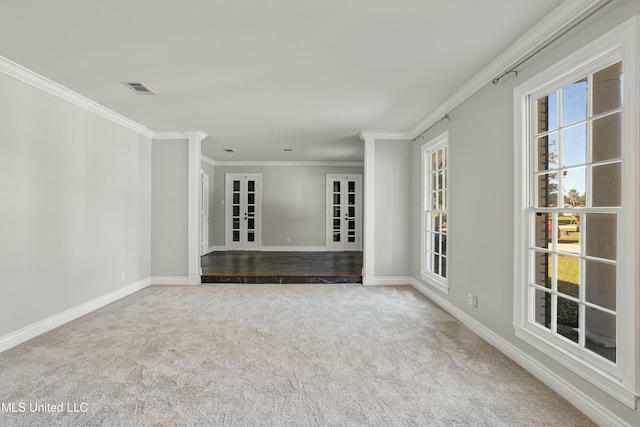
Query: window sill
436	283
604	381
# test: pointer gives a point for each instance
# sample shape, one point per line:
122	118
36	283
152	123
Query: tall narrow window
575	210
435	194
576	228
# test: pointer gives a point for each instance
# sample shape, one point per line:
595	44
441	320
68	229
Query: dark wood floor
282	267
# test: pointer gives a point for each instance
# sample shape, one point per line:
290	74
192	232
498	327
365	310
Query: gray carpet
272	355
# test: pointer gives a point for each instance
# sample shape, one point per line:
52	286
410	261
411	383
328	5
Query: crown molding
25	75
178	134
559	20
207	160
562	18
168	134
197	134
285	163
364	135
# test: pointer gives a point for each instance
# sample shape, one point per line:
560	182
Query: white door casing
344	212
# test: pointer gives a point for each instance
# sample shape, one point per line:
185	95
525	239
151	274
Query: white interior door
244	211
344	212
204	214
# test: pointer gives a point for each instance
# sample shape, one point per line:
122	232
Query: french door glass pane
236	185
236	198
352	186
251	185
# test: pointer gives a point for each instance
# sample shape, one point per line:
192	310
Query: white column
193	209
369	208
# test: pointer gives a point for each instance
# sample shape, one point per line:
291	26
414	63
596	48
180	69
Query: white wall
293	203
481	203
392	209
75	206
169	165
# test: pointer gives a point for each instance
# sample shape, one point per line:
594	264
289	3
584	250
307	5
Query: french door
244	211
344	212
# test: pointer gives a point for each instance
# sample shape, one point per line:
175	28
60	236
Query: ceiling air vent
139	88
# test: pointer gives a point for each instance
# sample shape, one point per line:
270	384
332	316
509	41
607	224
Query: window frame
620	380
439	142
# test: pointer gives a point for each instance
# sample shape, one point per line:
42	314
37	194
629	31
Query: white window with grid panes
576	226
435	196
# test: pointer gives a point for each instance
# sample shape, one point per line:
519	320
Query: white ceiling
261	76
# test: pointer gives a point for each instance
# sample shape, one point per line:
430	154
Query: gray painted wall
75	206
293	202
392	209
481	201
169	171
209	169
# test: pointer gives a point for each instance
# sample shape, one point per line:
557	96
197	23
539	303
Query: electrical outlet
122	277
288	239
472	300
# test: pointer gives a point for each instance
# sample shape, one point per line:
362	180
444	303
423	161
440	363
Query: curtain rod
445	117
496	80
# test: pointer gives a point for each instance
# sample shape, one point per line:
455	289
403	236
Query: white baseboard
170	280
209	250
32	331
216	249
590	407
382	281
294	248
